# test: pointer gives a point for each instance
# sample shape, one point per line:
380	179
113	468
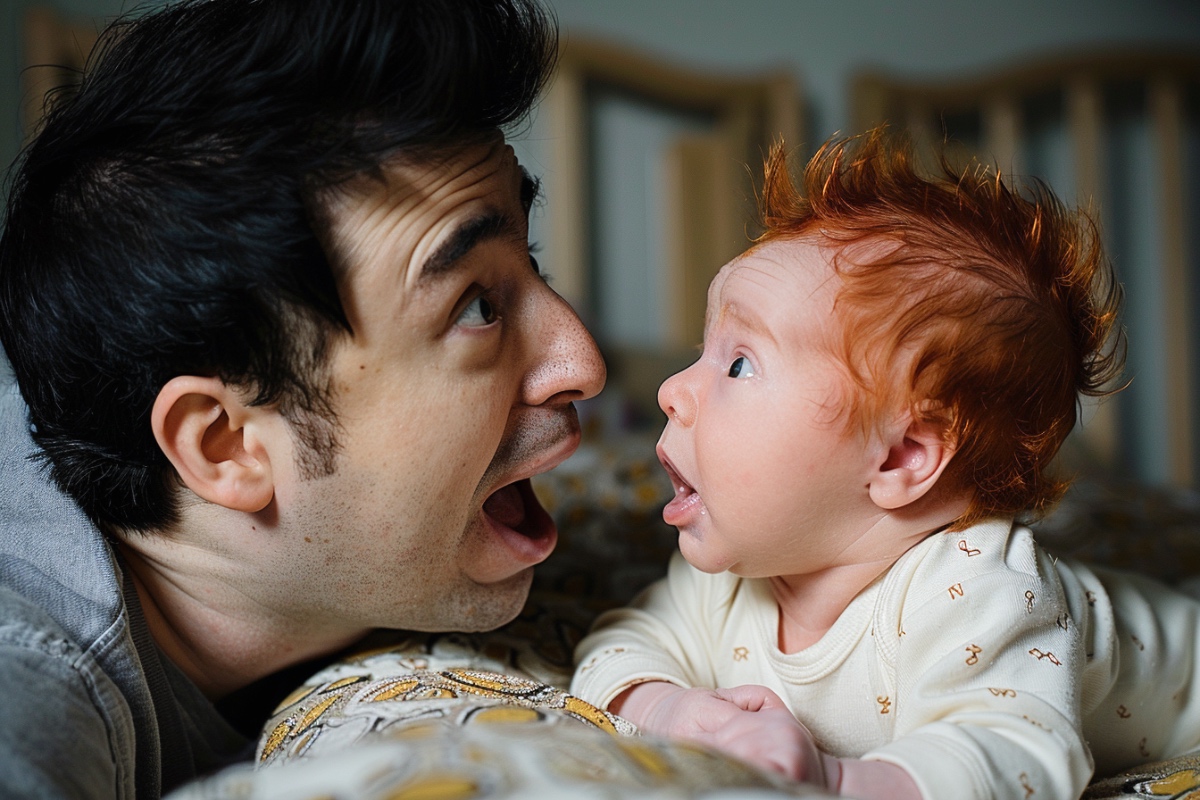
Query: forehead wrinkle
381	224
378	212
490	222
430	205
489	225
403	184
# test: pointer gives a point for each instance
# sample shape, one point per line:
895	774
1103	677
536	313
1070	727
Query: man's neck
219	637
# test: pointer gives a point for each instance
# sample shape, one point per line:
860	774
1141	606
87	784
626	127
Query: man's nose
569	366
677	398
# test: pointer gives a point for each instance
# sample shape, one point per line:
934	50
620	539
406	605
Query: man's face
455	387
767	478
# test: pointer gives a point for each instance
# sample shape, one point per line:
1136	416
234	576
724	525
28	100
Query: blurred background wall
644	141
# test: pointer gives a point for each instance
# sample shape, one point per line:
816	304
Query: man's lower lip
683	509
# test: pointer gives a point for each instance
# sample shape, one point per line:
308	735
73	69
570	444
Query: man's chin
504	601
478	607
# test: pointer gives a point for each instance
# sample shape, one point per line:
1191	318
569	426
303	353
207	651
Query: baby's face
767	478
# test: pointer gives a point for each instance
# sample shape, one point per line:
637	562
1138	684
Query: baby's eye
478	313
740	368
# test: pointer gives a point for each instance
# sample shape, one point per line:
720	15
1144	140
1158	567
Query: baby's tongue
506	506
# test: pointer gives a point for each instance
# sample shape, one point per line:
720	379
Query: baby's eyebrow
748	318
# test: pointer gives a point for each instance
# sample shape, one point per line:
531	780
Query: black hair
166	219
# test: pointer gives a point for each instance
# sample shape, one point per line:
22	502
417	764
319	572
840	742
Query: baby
885	378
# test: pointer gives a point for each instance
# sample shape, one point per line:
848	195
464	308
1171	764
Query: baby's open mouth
682	487
686	503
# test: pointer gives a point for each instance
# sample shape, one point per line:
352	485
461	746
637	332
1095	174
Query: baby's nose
677	398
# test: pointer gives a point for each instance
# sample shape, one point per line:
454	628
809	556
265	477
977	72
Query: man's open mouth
519	517
516	506
542	440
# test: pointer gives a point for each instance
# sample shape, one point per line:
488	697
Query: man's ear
917	454
209	435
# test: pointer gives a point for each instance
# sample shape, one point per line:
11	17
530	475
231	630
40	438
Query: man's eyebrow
486	226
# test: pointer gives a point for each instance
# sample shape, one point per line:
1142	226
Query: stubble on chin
472	607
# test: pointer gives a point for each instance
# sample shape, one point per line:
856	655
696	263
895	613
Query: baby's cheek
736	449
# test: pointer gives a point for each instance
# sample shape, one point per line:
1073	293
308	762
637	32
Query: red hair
982	309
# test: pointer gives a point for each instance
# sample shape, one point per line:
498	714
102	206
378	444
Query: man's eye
740	368
478	313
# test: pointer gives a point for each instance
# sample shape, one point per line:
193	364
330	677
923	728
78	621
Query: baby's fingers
768	750
751	697
773	739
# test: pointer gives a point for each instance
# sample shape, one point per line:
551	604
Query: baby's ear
215	442
917	454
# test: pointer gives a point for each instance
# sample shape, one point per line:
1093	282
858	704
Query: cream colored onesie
977	662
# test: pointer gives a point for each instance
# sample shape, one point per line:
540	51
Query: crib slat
1166	112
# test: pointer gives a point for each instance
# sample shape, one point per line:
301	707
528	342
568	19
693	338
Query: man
287	362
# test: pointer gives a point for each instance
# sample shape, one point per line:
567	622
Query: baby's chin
701	555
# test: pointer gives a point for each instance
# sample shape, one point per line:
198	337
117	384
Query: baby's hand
749	722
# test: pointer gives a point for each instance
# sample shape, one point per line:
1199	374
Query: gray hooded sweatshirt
89	708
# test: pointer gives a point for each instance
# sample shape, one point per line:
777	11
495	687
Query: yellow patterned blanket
1176	779
457	717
